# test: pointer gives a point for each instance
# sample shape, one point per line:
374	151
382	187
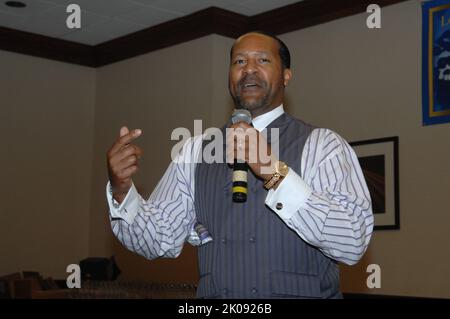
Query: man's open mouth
250	86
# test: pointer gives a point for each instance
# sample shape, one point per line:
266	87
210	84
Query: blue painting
436	62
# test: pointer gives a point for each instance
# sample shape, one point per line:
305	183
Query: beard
255	104
251	104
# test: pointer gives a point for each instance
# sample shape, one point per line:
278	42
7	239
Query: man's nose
250	67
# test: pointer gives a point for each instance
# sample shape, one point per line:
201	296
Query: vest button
225	291
279	206
254	290
252	239
224	240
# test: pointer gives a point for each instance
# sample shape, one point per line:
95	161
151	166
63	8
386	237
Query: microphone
240	167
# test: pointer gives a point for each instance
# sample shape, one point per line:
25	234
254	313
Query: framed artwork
436	62
379	162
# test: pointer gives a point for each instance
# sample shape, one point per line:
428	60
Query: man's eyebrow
251	53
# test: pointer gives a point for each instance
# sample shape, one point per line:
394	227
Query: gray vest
254	254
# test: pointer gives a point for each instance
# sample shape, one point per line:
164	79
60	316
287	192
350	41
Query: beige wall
47	118
361	83
366	84
156	92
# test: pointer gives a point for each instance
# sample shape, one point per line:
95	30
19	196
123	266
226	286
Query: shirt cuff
290	195
128	209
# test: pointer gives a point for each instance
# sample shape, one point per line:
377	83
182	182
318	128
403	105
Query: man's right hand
122	160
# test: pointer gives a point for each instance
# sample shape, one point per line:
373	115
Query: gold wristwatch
281	170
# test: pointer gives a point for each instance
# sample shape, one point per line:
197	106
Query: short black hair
283	50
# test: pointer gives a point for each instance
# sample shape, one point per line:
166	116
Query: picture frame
379	162
435	62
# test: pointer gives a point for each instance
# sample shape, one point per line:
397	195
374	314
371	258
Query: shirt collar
261	122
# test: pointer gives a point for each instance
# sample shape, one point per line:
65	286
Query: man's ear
287	75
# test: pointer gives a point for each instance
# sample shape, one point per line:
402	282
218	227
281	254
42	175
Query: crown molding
47	47
212	20
202	23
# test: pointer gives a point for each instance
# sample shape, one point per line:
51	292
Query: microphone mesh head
241	115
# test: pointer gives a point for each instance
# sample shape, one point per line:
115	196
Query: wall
156	92
366	84
47	127
361	83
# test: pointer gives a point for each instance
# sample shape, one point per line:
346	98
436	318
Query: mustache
251	78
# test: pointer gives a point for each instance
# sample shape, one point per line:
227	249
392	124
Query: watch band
273	180
281	170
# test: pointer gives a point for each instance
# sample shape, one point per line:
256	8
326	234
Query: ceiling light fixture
15	4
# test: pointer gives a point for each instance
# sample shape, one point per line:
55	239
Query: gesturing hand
122	159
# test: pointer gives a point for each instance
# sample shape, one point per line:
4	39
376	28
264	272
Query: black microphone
240	167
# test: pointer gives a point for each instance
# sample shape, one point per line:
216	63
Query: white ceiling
103	20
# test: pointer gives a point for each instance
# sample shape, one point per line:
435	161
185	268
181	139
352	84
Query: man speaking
306	209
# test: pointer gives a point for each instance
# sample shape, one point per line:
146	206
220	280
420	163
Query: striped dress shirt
327	204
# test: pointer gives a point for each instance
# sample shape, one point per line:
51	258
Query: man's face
256	77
